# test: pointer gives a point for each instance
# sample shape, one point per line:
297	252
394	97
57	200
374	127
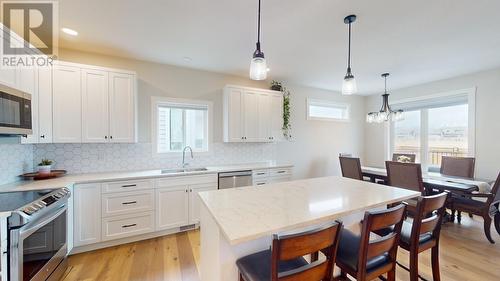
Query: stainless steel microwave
15	112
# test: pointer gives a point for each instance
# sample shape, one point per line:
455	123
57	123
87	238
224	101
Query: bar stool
423	233
284	261
366	259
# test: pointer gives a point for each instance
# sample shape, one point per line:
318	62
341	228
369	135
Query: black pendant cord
258	29
348	51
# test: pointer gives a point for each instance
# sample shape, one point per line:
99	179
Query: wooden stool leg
435	263
413	266
391	275
487	228
241	277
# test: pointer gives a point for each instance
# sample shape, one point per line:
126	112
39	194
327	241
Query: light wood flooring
465	255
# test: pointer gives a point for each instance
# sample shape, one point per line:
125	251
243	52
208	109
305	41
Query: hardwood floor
465	255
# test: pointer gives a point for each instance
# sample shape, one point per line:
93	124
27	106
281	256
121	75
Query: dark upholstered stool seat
348	252
257	267
406	233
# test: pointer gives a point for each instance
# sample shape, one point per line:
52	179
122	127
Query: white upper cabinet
122	103
95	113
8	77
67	104
252	115
45	105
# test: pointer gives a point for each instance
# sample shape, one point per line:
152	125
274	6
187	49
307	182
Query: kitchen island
240	221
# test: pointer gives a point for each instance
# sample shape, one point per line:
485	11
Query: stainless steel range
37	233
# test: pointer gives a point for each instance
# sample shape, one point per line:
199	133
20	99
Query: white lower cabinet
274	175
127	225
87	214
103	212
172	207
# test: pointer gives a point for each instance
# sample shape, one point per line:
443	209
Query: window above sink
178	123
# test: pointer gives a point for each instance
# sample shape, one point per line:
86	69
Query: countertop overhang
249	213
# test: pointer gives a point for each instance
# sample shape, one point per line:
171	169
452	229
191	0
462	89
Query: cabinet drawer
127	186
280	172
127	202
258	174
187	180
127	225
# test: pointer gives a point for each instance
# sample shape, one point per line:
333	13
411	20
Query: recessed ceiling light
187	59
268	69
69	31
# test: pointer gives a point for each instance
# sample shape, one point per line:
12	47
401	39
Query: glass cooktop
10	201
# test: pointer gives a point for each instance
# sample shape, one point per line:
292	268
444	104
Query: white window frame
166	101
470	93
310	101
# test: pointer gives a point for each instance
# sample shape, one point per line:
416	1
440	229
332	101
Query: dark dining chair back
372	257
405	175
285	260
458	166
430	212
396	157
351	167
294	246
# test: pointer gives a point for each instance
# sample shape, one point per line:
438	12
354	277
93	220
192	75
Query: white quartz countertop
249	213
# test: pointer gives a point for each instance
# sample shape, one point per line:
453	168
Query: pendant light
349	85
258	66
386	113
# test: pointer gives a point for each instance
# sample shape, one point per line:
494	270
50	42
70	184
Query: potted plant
44	167
276	86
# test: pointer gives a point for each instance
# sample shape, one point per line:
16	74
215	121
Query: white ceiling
304	41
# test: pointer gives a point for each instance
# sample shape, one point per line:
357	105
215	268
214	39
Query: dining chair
407	176
366	259
396	157
351	167
423	233
284	261
480	204
458	166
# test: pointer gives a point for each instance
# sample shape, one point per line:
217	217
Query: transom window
327	110
181	123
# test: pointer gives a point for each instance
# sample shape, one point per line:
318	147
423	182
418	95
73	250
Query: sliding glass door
431	132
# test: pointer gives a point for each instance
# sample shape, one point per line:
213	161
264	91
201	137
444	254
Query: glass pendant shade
258	68
349	85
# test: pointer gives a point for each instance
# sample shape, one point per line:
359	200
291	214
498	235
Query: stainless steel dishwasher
235	179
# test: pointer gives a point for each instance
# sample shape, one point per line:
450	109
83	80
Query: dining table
436	181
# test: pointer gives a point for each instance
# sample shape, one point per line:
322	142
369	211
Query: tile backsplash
15	159
88	158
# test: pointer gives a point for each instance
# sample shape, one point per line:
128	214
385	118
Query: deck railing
435	153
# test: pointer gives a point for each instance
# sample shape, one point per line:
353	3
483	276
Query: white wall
487	118
316	144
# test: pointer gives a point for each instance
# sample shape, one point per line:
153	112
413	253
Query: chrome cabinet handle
129	203
129	225
129	185
281	172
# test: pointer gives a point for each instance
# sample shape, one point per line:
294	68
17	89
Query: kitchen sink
185	170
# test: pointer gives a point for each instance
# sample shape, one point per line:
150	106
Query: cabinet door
195	201
172	207
95	113
27	79
45	105
67	104
122	107
8	77
87	214
264	117
251	116
276	116
233	123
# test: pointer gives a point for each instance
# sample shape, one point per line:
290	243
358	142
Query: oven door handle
23	233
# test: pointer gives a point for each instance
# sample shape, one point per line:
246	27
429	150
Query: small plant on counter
45	166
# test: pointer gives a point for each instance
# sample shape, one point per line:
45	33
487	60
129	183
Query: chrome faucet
184	164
